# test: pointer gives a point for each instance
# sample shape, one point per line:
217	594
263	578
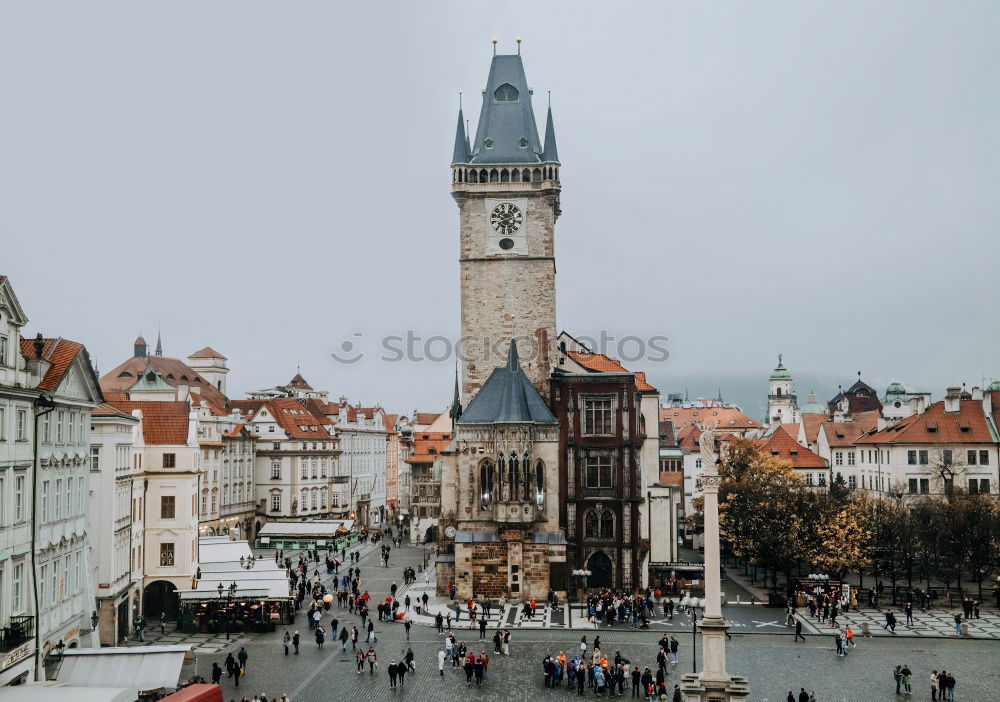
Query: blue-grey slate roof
505	123
550	154
508	397
461	153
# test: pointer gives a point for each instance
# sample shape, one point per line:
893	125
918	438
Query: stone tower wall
507	295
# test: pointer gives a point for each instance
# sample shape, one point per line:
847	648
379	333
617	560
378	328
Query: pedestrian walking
441	658
216	673
907	674
286	641
798	630
242	658
295	643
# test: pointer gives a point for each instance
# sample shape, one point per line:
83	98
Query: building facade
61	369
116	526
18	397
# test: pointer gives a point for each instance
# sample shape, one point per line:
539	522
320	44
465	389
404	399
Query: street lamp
583	574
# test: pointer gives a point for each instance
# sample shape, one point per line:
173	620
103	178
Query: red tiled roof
935	426
60	353
163	423
106	410
687	438
843	434
812	423
291	415
426	417
714	416
207	352
425	442
599	363
389	420
213	408
174	371
784	446
299	383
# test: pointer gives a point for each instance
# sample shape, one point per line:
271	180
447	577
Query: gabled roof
292	415
506	121
163	423
60	353
812	423
299	383
207	352
969	425
508	397
11	303
783	445
600	363
688	438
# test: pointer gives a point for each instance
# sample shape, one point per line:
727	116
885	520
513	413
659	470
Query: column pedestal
714	684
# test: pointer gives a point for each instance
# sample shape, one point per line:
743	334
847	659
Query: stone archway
600	567
160	596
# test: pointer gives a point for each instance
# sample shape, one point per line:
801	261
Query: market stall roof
209	595
274	583
57	692
142	667
196	693
210	550
316	528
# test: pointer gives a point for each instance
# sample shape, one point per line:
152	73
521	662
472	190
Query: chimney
38	365
183	393
988	403
952	400
977	393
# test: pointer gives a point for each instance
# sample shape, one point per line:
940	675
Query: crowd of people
590	669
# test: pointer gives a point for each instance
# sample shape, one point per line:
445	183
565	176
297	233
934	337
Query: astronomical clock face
506	218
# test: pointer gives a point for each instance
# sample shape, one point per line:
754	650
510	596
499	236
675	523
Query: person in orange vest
850	636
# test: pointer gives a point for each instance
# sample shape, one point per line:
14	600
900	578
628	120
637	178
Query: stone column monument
713	683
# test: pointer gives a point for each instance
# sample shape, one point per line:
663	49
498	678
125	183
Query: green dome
780	373
812	406
896	393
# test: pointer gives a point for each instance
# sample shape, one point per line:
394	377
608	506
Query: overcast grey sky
270	178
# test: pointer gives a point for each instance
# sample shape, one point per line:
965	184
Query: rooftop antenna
494	42
518	40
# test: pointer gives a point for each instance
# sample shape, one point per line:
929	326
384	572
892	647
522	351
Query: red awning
196	693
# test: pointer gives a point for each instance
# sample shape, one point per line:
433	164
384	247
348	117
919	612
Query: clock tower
506	184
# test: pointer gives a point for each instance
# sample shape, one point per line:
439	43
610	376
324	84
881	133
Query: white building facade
116	527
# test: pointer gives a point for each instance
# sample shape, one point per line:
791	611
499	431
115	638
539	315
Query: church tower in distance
506	184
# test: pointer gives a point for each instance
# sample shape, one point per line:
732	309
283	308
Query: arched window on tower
486	484
591	525
514	475
505	93
540	484
607	525
779	392
526	496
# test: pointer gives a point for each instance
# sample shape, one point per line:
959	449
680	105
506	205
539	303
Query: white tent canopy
57	692
318	528
142	667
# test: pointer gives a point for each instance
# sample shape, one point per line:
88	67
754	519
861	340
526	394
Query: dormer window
505	93
488	143
523	143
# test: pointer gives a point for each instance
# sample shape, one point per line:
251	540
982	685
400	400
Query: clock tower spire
507	190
